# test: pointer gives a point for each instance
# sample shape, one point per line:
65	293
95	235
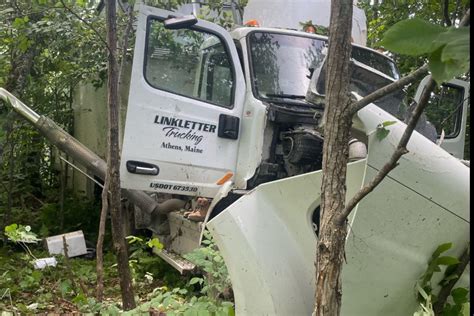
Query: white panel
268	243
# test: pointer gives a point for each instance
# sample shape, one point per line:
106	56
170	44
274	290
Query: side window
215	84
445	110
187	62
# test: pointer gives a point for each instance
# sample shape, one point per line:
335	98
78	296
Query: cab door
448	112
184	108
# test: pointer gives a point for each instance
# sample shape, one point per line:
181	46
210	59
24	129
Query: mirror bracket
182	22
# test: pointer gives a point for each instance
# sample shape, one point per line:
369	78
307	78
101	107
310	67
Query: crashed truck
223	115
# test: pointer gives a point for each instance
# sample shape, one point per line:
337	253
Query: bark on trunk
100	243
337	123
113	175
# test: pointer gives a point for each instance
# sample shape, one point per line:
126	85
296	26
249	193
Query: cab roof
242	31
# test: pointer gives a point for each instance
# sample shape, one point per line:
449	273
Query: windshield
282	65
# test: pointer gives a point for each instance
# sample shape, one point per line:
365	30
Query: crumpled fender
269	245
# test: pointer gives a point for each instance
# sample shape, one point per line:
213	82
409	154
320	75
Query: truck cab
206	102
224	115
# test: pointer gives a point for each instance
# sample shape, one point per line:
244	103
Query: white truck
206	104
223	115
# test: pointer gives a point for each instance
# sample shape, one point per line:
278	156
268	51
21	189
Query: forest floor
69	287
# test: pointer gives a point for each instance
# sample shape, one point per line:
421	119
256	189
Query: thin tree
337	121
113	160
105	190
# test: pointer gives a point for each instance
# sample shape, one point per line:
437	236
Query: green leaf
11	228
195	280
155	242
388	123
190	312
444	71
452	56
382	133
457	43
447	261
18	23
466	307
460	295
441	248
65	287
451	310
412	37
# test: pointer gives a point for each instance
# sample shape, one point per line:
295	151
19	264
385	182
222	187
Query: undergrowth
70	288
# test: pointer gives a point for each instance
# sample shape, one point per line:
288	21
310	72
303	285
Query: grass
23	289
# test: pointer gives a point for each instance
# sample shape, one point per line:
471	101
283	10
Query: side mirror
175	23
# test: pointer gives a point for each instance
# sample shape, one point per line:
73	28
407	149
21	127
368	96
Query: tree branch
466	20
125	41
399	152
87	24
445	9
397	85
446	289
125	44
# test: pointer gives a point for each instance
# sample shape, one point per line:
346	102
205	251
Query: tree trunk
62	190
100	242
337	124
113	175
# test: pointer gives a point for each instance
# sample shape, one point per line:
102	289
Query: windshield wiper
286	96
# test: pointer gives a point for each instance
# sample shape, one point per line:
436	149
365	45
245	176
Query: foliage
144	264
424	286
447	48
216	278
45	52
310	27
20	233
183	300
161	300
381	15
213	10
69	288
79	213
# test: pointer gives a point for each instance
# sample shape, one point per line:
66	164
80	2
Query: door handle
144	168
228	126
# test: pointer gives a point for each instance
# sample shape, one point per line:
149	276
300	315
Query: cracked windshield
282	65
